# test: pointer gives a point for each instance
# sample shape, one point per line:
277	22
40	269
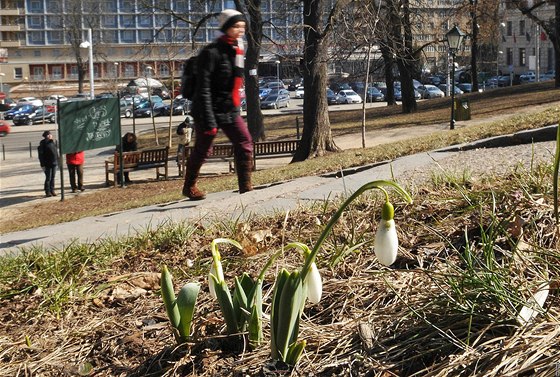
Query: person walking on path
129	144
48	157
216	104
185	131
75	163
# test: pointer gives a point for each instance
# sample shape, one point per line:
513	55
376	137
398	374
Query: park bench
261	150
149	158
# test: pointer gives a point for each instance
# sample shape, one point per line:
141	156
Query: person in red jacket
75	163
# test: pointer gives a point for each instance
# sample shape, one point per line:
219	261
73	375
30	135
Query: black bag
188	79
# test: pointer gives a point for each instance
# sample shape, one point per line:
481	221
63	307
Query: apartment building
35	44
523	45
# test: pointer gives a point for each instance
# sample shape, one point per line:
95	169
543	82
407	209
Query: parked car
457	90
275	101
349	96
430	91
528	76
105	95
26	108
125	108
292	86
30	101
162	92
180	106
37	115
275	85
53	99
4	128
549	75
300	91
396	91
332	97
277	92
147	109
7	104
264	92
374	95
337	86
466	87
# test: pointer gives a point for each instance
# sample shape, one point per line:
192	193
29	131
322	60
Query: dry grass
496	112
471	253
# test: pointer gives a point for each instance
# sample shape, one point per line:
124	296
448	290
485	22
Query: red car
4	128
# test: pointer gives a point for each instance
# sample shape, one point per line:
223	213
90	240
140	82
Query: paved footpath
277	197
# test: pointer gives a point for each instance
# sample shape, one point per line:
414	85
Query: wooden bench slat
151	158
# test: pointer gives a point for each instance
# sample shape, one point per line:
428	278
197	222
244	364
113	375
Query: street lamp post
454	38
89	45
277	70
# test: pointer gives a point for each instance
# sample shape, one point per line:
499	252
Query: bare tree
550	25
316	137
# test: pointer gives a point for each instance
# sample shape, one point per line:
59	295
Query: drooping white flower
314	284
386	243
535	305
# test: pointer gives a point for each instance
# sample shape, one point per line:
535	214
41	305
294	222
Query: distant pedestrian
48	157
75	163
185	131
129	144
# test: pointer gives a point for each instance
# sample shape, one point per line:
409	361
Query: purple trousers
237	133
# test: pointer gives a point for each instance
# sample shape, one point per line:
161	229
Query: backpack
188	79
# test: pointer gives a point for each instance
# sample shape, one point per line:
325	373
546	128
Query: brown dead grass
372	321
490	106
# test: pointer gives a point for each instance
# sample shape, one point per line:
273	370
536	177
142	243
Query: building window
163	70
522	57
109	6
509	56
129	70
509	28
56	72
36	38
128	21
109	21
110	36
35	6
145	35
521	27
18	73
127	6
35	22
53	6
145	21
128	36
54	37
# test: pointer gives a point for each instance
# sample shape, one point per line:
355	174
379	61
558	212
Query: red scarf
237	70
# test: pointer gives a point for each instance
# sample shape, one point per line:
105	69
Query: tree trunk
474	46
405	59
388	63
254	36
316	137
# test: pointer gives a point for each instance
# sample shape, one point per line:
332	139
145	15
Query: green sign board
85	125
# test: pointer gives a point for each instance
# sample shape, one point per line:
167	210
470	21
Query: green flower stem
368	186
555	178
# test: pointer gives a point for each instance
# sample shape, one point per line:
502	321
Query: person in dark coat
48	157
129	144
216	104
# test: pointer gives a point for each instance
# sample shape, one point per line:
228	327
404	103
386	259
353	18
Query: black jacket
213	102
48	154
126	145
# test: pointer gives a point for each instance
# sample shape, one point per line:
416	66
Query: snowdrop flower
386	241
314	284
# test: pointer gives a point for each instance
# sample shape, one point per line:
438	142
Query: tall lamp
89	45
454	39
277	62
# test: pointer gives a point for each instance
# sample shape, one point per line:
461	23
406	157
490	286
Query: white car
430	91
52	100
299	92
349	96
30	101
